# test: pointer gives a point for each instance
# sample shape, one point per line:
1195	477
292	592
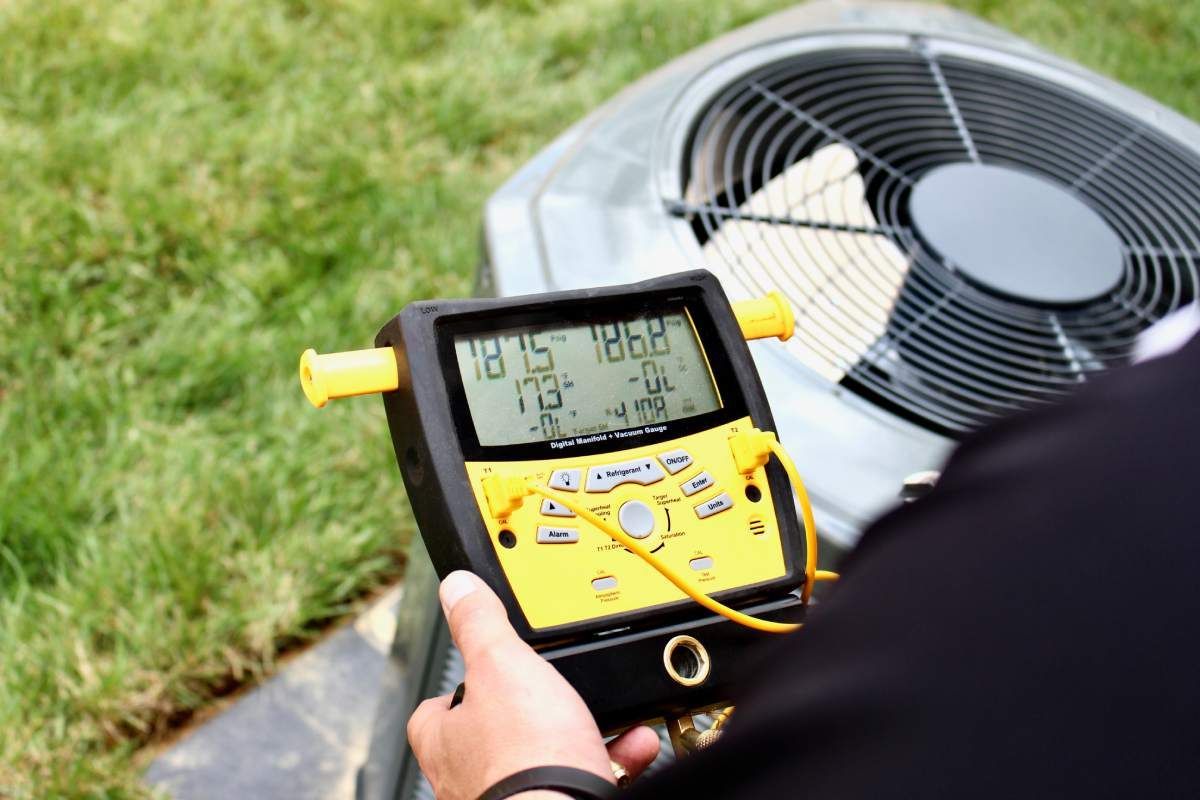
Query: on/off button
675	460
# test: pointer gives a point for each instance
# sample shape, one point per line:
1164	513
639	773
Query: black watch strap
576	783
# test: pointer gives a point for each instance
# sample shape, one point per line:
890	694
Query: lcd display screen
547	382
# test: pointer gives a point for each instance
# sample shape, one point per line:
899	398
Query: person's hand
517	713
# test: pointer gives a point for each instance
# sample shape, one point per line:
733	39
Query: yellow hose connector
765	317
354	372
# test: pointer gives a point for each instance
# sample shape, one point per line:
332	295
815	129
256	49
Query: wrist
553	783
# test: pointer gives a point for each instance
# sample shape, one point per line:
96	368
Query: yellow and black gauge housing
621	402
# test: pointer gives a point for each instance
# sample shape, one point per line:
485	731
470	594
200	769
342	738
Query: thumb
478	622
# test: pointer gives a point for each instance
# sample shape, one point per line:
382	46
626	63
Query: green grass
193	192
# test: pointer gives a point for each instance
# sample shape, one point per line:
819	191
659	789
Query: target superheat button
606	477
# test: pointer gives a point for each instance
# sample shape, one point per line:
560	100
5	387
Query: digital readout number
615	343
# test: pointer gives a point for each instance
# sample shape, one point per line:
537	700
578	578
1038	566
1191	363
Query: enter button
697	484
702	563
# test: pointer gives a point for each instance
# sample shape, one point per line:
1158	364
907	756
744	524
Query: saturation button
675	460
549	534
721	502
697	484
553	509
607	476
636	518
565	479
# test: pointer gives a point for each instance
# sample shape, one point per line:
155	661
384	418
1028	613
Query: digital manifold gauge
579	452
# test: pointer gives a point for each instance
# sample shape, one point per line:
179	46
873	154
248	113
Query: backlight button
565	479
716	505
675	460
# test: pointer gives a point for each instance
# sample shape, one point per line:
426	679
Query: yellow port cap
765	317
354	372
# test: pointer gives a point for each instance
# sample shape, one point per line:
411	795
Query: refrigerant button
608	476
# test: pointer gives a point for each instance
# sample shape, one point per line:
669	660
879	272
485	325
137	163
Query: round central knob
637	519
1015	234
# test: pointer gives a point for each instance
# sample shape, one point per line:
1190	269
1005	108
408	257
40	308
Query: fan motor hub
1016	234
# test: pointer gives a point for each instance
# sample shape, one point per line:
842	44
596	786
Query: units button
675	460
565	479
607	476
721	502
604	584
697	484
549	534
553	509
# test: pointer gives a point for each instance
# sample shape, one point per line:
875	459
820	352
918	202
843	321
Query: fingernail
455	587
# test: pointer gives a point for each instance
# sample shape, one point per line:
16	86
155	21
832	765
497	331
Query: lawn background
193	192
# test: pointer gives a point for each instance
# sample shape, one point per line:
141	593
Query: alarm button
675	460
716	505
608	476
549	534
637	519
697	484
553	509
565	479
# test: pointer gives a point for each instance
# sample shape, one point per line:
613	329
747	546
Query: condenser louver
965	224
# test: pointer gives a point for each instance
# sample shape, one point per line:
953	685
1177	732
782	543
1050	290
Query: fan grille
798	176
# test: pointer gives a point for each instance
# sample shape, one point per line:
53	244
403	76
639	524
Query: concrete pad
302	734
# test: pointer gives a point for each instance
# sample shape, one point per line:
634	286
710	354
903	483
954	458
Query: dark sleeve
1029	628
